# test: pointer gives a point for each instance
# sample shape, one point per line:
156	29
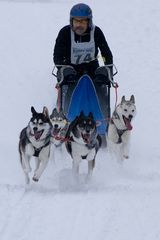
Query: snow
121	202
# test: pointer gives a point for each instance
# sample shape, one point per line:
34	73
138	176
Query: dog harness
82	52
119	131
37	150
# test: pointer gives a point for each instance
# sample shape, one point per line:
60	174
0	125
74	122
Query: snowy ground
120	202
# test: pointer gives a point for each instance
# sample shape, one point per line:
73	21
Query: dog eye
125	110
133	110
41	123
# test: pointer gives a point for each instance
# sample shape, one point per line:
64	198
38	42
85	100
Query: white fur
121	150
28	145
78	150
62	126
41	161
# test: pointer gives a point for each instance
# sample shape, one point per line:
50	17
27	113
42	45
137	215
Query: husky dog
120	126
60	126
84	142
35	141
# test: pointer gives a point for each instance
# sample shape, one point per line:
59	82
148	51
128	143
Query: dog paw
125	156
35	179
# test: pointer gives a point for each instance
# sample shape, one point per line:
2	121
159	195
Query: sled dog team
80	137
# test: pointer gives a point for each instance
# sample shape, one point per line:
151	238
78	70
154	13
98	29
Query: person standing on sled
75	53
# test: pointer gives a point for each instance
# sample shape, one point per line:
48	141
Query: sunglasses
81	21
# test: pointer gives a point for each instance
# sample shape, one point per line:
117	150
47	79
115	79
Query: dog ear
61	113
33	110
123	99
132	99
90	115
72	125
54	111
81	114
45	111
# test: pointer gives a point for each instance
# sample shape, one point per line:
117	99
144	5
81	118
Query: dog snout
87	130
130	117
35	129
55	125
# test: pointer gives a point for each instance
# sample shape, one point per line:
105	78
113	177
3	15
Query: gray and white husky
120	127
59	127
35	141
84	142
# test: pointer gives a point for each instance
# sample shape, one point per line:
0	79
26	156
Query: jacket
62	49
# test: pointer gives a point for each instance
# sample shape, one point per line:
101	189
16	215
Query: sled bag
84	98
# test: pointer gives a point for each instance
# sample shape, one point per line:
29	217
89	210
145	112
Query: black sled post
66	77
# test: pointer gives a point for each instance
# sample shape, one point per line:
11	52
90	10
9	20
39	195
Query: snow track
79	214
121	202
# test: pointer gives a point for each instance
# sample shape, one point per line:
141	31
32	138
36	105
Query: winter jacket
62	49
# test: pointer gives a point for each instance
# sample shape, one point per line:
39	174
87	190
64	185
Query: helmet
81	10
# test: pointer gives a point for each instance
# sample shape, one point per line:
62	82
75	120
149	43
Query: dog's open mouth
38	134
55	131
127	122
86	137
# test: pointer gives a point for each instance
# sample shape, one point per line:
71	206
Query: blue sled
84	98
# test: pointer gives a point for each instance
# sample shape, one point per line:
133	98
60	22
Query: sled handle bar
57	66
108	67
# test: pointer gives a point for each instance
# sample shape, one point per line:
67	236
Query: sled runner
88	95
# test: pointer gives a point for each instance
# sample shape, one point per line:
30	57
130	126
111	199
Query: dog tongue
37	134
128	124
86	137
55	131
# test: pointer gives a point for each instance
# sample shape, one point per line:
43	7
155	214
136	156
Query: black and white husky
60	126
83	143
35	141
120	127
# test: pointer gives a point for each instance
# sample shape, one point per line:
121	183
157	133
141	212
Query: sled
84	98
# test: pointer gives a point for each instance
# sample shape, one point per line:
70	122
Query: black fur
87	124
